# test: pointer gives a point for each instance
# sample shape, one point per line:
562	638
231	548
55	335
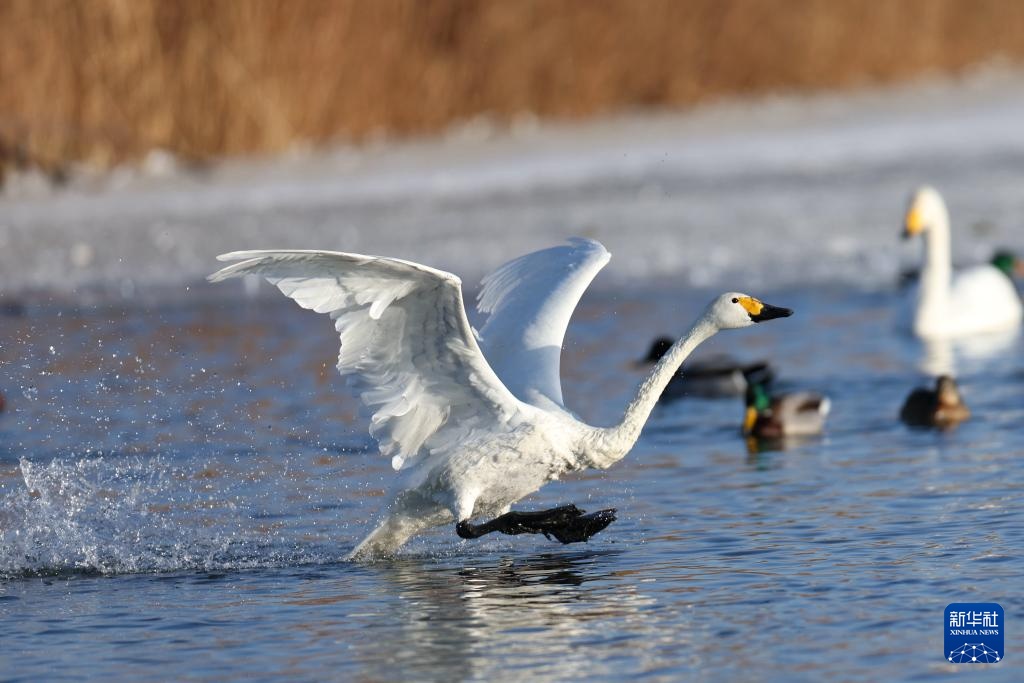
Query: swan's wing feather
406	345
529	302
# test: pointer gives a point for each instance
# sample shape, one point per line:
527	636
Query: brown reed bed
106	80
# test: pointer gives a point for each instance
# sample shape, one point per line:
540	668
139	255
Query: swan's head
924	210
734	309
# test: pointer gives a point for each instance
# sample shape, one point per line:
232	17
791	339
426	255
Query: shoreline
469	200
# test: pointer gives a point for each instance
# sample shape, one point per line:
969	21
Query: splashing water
117	515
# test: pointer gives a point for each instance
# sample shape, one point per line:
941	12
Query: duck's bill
749	420
769	312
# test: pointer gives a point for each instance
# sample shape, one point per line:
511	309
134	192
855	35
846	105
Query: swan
473	423
977	300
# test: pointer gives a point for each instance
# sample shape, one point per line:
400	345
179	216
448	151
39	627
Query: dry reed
104	80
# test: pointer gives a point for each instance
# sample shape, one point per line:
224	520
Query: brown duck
940	407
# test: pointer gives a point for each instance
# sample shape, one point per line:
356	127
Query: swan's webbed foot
581	527
567	524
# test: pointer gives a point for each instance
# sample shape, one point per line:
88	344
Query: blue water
179	483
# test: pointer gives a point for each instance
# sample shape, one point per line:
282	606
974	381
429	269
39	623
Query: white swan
977	300
466	442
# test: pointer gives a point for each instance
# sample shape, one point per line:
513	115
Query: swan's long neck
619	439
933	302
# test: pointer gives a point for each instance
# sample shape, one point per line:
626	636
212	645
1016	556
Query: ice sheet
740	194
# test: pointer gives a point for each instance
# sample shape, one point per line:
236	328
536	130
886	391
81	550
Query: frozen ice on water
810	188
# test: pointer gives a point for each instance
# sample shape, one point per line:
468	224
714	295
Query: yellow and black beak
760	311
914	223
771	313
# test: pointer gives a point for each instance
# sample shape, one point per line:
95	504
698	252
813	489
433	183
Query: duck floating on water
800	413
977	300
942	407
717	376
473	427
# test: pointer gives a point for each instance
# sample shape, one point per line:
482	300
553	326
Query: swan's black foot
567	523
581	527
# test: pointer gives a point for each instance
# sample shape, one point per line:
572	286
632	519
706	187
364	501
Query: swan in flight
977	300
474	422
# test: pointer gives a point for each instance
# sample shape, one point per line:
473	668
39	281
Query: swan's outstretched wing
406	345
529	302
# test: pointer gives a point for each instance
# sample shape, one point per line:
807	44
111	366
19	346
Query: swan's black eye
735	300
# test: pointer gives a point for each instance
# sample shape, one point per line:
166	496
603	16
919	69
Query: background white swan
467	441
976	300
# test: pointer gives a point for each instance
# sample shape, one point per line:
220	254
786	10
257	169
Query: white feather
406	344
529	302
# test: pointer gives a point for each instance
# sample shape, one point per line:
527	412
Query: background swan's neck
936	273
620	439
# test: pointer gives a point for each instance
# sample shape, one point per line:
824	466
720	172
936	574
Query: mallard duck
1008	262
800	413
717	376
974	301
940	407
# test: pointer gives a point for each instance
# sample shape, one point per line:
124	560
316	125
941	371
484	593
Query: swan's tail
390	535
401	524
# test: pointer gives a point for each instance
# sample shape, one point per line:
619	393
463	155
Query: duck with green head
800	413
1009	263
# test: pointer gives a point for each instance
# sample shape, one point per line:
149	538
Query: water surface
179	483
